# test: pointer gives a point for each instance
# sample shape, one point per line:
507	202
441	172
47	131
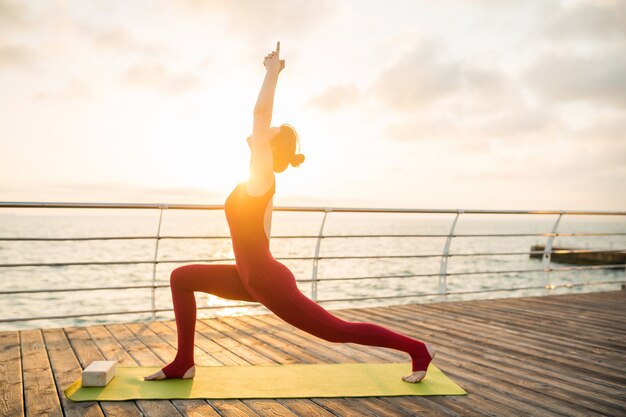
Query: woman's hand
272	60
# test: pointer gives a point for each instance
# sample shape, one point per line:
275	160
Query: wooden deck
539	356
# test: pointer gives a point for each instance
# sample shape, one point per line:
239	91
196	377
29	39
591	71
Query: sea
342	257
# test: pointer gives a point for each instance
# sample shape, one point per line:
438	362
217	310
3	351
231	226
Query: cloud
517	122
336	96
564	77
597	21
576	160
471	105
418	78
458	100
159	78
422	127
484	88
262	20
607	130
13	14
74	90
423	78
16	55
121	39
591	161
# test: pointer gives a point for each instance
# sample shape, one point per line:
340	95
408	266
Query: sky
483	104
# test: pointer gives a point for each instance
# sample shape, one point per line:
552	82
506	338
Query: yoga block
98	373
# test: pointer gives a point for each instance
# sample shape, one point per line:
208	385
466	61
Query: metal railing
442	287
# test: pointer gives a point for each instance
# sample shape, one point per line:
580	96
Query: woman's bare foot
417	376
191	372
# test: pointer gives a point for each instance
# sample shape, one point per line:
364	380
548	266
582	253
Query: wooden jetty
581	256
557	355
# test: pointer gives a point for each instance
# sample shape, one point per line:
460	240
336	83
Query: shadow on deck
540	356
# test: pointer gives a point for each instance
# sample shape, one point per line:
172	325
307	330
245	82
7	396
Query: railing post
320	235
547	256
442	287
156	260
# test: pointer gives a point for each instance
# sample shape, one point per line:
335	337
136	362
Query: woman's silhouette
257	276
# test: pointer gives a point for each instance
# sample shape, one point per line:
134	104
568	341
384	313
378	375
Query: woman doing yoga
257	276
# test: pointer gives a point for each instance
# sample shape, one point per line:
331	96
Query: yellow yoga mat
269	381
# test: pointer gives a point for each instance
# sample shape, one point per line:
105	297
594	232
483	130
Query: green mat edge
76	385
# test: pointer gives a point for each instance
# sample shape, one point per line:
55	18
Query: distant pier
579	256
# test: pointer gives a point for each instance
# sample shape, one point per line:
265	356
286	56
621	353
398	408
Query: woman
257	276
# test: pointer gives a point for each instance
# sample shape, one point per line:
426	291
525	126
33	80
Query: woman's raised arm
265	102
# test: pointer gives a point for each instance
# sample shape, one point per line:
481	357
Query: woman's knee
177	277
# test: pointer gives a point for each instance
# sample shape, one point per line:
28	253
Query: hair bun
297	160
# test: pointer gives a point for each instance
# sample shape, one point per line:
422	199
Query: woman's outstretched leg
278	292
220	280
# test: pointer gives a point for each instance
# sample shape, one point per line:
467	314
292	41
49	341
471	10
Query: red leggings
278	292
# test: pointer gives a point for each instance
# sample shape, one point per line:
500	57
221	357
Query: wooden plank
562	328
142	356
40	392
609	319
528	318
515	341
390	406
11	388
137	351
87	351
233	408
271	347
112	350
305	407
203	343
66	369
195	408
501	343
598	309
560	348
268	407
158	341
166	353
208	345
536	369
152	342
325	350
484	319
600	299
250	350
169	336
558	396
